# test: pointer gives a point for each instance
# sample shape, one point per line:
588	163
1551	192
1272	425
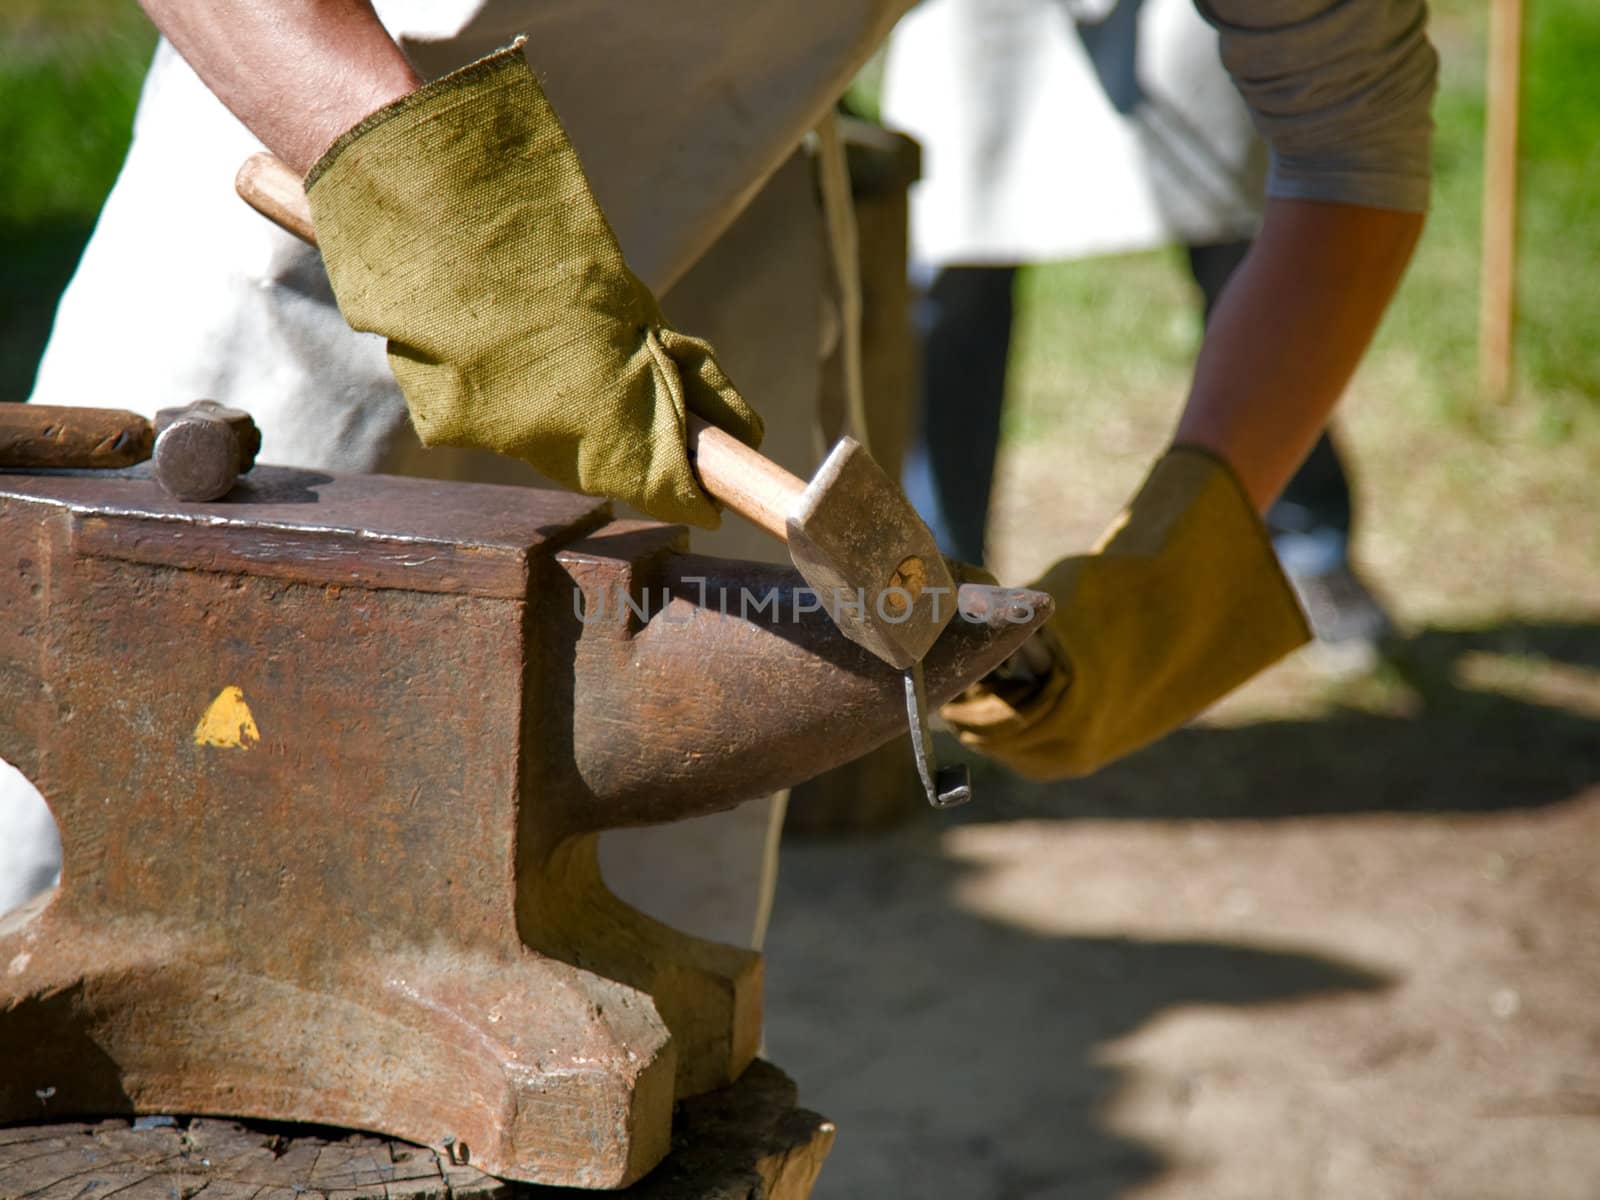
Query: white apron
1059	129
685	115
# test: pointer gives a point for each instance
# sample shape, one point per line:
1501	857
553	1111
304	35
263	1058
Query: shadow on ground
909	1020
898	1012
1465	741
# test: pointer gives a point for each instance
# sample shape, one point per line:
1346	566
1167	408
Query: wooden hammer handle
50	435
740	478
267	185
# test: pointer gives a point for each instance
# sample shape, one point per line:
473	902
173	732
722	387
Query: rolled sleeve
1342	92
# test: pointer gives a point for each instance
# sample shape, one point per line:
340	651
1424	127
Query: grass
1429	339
70	73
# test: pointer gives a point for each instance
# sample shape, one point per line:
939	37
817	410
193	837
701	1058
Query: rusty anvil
329	761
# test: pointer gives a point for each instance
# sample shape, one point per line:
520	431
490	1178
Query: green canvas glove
458	223
1181	603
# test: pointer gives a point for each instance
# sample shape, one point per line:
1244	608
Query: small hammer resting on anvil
852	534
197	451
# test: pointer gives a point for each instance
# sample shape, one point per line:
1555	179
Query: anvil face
329	759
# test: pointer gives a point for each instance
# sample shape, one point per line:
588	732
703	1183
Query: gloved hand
1182	601
458	223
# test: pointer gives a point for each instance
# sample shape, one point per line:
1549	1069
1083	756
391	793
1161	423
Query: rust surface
329	758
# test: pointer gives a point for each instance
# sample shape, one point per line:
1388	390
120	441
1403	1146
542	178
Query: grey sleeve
1341	90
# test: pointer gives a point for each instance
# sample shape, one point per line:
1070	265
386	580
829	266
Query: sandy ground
1367	1005
1334	941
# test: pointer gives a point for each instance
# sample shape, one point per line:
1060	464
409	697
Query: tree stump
745	1142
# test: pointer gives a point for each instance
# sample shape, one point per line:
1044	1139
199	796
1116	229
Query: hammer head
202	448
872	562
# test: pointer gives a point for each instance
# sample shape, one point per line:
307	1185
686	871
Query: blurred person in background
1058	130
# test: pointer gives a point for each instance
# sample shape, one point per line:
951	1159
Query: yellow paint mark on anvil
228	722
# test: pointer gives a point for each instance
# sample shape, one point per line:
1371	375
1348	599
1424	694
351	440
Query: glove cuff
507	57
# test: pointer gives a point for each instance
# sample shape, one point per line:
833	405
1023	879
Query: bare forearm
298	73
1289	331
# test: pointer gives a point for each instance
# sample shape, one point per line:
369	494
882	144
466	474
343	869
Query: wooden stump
745	1142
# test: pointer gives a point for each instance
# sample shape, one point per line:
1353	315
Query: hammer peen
854	537
197	451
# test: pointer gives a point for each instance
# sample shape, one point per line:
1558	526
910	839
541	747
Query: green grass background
1143	300
70	72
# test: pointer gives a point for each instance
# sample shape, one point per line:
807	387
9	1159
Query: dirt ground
1337	940
1363	1004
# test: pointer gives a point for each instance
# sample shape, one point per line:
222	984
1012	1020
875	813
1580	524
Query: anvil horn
742	680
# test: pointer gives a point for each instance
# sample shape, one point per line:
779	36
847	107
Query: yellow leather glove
1182	601
458	223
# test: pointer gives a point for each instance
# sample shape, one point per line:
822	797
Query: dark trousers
965	322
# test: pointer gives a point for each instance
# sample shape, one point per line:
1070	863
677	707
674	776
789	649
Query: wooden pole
1497	288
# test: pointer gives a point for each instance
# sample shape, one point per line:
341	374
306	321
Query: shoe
1350	625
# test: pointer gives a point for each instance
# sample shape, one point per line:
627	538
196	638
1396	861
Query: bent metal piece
329	760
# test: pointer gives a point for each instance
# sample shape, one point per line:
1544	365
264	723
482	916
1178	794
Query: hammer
197	451
870	561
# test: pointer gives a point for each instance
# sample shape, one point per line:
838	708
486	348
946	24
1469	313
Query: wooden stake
1497	289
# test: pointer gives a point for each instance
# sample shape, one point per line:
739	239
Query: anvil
329	760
